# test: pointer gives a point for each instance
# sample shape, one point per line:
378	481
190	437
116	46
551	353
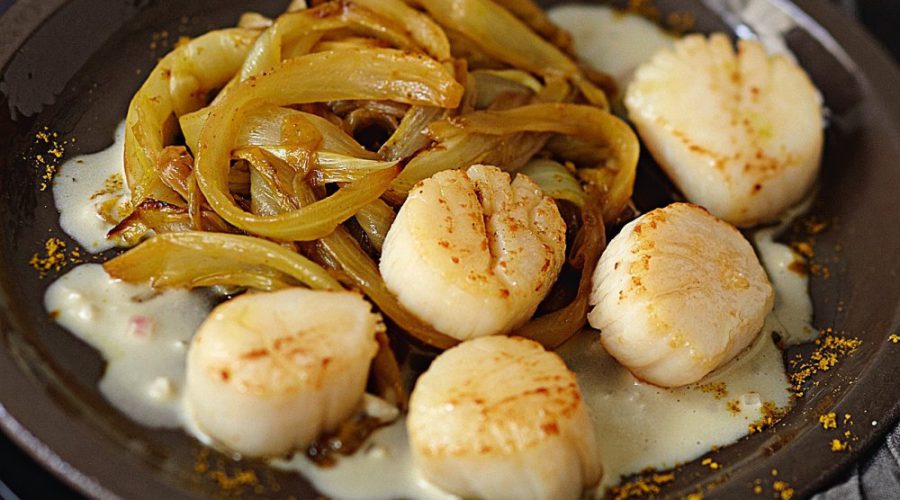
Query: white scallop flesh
500	417
678	293
739	133
472	253
268	372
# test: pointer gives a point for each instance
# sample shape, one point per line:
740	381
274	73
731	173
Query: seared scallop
268	372
739	133
472	253
677	294
500	417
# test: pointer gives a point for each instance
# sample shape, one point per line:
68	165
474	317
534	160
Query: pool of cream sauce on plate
80	188
143	335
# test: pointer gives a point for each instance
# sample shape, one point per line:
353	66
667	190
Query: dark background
21	477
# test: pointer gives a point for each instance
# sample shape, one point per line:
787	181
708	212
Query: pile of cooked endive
442	175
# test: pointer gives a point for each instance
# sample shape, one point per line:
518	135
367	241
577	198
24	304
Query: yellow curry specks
642	486
718	389
712	464
54	258
757	487
231	482
784	491
770	415
830	348
733	407
828	421
48	151
239	479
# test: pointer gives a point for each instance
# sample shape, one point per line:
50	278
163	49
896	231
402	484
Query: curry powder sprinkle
719	390
770	415
48	152
54	258
838	445
648	484
828	421
783	489
712	464
829	350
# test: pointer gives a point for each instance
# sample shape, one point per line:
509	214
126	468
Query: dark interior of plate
70	68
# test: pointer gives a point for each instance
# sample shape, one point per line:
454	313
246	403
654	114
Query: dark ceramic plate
71	66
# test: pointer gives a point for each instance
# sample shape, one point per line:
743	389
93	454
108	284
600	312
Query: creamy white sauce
83	185
382	469
610	40
638	425
143	336
792	315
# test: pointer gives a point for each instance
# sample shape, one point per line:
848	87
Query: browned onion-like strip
504	37
376	219
364	74
508	152
271	182
195	258
176	86
536	18
585	122
554	329
409	137
174	167
420	27
341	249
162	217
295	34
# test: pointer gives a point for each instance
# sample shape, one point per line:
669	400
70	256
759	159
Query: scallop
473	253
268	372
500	417
739	133
678	293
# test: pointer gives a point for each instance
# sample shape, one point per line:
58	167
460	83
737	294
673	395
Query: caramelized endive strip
271	182
174	167
556	180
420	27
554	329
375	219
536	18
509	152
294	123
409	137
495	87
177	85
275	128
193	259
365	74
504	37
584	122
340	249
330	168
162	217
294	34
